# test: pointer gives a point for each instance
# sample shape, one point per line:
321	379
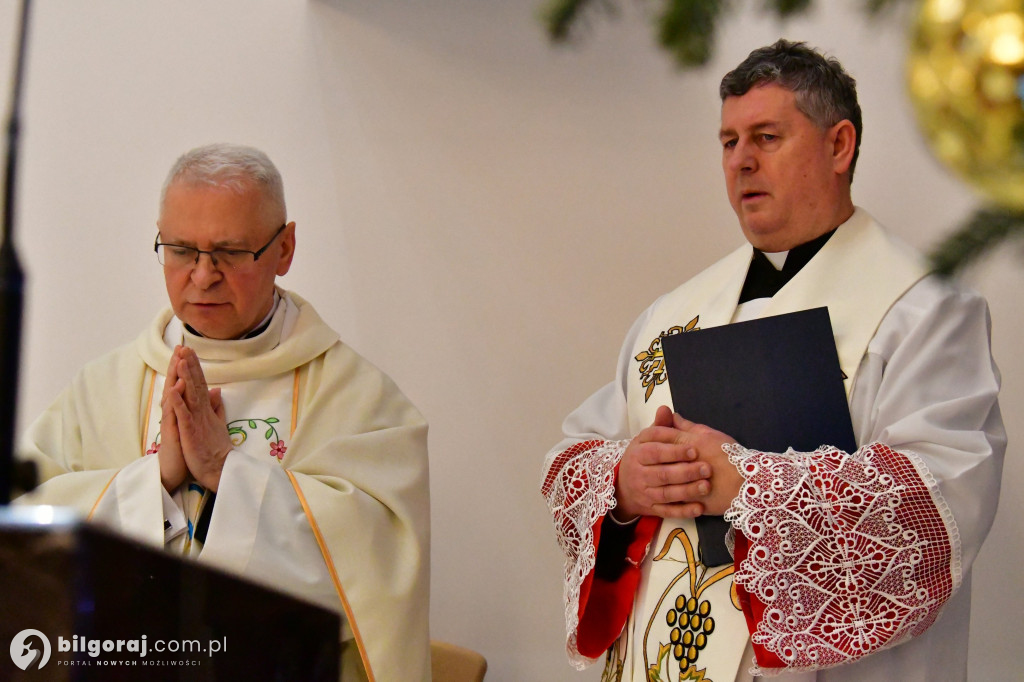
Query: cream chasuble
259	415
324	496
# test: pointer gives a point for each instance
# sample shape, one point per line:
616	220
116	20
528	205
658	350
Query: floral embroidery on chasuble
258	413
259	423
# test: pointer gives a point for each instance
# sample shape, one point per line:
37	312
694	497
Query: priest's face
785	179
218	301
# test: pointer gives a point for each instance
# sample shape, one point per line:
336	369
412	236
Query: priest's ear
842	138
284	261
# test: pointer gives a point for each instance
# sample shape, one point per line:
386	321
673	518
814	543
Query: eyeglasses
180	256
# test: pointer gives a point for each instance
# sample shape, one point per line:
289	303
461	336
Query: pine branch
878	7
981	233
785	8
562	18
686	28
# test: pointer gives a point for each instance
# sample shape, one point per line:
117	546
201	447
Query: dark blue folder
771	383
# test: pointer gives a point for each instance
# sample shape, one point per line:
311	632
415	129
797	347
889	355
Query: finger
657	453
174	401
680	473
217	402
692	430
659	434
683	493
172	374
185	386
168	421
688	510
182	415
196	391
682	423
196	372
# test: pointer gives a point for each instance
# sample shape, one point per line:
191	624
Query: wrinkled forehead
758	107
215	213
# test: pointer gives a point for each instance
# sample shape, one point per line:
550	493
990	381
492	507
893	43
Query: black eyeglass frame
199	252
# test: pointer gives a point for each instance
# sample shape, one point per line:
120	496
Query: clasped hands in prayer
193	430
675	469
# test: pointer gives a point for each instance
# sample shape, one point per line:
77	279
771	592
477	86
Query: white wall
479	213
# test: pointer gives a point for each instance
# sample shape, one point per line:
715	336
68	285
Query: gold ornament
966	80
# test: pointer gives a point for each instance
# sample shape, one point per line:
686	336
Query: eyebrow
756	128
223	244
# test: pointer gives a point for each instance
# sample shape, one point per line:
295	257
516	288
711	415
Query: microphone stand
12	285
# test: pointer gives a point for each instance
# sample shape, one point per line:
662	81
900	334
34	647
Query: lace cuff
845	555
579	487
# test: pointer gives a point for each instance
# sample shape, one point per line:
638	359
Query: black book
773	383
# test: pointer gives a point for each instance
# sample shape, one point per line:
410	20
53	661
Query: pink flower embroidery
278	449
153	449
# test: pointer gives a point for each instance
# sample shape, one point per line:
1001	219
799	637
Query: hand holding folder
772	384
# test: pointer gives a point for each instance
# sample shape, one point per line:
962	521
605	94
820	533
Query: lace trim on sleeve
579	487
849	554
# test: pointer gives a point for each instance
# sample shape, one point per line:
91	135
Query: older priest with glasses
239	430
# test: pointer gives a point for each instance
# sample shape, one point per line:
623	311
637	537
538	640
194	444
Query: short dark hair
825	93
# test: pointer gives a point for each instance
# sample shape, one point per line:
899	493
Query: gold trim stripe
102	493
334	575
149	407
295	405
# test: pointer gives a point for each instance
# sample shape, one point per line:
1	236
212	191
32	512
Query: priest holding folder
846	566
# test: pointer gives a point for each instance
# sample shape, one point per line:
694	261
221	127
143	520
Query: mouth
751	199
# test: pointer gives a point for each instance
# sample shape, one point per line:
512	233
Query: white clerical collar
777	259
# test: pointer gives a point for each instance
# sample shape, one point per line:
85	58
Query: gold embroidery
689	618
652	361
691	674
614	660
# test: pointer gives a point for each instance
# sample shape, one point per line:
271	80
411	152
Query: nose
205	274
742	157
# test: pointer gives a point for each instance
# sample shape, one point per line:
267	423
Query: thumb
663	417
216	402
681	423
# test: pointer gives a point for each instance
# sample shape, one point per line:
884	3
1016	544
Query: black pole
12	286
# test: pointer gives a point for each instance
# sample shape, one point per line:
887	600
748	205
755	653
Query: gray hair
824	92
234	167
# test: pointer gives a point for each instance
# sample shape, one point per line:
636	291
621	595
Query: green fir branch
786	8
562	19
686	29
878	7
981	233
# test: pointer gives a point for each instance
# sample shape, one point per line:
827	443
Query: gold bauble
966	80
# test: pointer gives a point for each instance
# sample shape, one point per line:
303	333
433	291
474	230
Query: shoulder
347	381
936	296
933	307
705	285
711	279
112	365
